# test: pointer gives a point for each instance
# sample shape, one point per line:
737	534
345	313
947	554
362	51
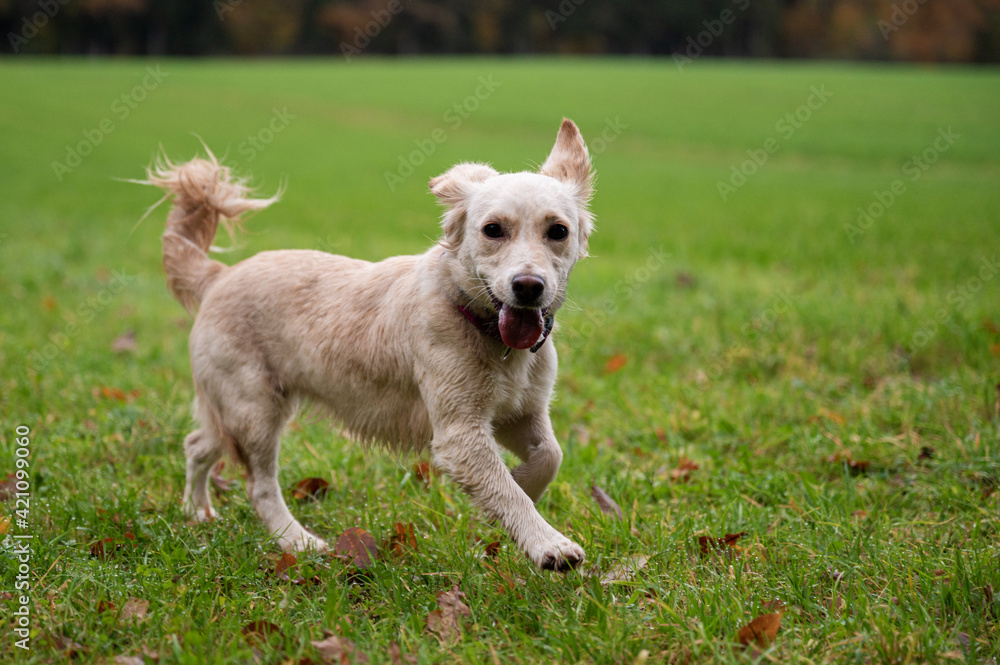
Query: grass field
833	379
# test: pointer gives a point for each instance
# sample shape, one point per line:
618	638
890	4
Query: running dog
448	349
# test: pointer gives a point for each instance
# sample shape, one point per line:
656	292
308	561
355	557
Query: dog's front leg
531	438
469	454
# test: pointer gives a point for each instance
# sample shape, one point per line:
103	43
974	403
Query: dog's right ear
453	188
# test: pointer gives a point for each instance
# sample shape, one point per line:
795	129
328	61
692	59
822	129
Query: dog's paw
201	514
560	555
302	542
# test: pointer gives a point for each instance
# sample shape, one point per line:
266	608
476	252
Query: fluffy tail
204	194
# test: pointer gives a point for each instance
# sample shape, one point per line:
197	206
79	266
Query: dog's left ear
569	162
453	188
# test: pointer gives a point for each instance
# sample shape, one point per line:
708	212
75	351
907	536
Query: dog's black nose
527	289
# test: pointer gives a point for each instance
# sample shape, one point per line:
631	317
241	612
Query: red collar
490	327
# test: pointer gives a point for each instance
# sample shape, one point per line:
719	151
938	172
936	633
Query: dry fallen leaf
312	489
106	606
403	539
357	546
258	632
124	342
129	660
333	649
64	645
287	561
683	471
706	543
398	658
492	549
446	621
615	363
4	524
625	570
117	394
220	483
103	549
607	504
423	471
134	609
8	487
761	630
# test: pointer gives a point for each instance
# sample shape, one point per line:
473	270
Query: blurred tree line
919	30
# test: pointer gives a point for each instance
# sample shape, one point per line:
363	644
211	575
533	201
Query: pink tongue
520	328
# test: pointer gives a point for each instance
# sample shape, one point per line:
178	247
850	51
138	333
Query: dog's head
514	237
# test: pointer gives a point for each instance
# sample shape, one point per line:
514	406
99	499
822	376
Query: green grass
763	344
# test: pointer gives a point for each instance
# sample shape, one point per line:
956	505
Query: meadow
787	329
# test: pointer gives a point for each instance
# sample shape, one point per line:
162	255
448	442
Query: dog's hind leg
203	450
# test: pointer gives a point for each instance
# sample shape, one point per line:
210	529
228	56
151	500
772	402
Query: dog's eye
493	230
558	232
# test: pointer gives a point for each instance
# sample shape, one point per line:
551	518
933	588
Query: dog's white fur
382	345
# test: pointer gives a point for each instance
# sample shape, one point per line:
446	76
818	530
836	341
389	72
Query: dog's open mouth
520	328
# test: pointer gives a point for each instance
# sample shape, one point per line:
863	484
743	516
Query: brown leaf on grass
108	392
683	471
446	621
106	606
8	486
607	504
258	632
312	489
287	561
397	658
4	524
403	539
761	630
134	609
220	483
857	466
625	570
64	645
615	363
424	471
103	549
357	546
124	342
926	452
6	595
492	549
707	543
337	650
129	660
859	514
835	604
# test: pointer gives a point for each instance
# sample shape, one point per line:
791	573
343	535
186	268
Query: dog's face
515	237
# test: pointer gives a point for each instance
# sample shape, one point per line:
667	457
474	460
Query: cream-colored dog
446	349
